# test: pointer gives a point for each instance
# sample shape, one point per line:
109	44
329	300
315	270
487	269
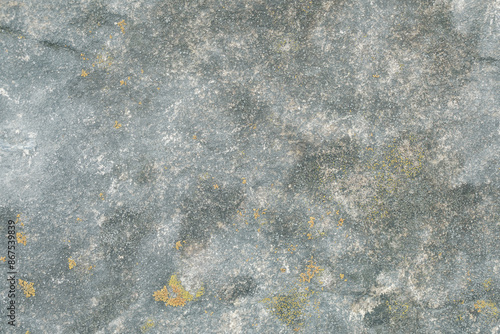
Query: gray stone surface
278	166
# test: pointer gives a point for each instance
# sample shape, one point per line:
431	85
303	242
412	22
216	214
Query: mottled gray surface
316	166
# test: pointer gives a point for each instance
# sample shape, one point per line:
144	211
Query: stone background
295	166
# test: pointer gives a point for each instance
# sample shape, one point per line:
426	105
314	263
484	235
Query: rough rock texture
216	166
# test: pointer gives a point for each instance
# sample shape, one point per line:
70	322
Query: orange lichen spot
341	276
101	195
376	76
283	270
177	301
117	125
311	221
78	220
216	186
27	288
71	263
244	181
256	213
161	295
311	270
178	245
341	222
309	236
122	25
84	74
2	259
123	82
21	238
194	137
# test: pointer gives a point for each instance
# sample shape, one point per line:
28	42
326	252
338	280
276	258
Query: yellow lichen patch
123	82
488	308
311	221
194	137
311	270
122	25
117	125
216	186
176	284
397	309
405	158
341	222
288	308
71	263
200	292
28	288
84	74
244	181
487	284
376	76
21	238
148	325
178	245
2	259
101	195
181	295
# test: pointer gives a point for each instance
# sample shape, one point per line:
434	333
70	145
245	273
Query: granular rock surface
217	166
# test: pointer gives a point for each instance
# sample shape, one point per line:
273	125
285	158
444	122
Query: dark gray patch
207	208
449	54
378	318
119	240
147	174
239	286
284	226
246	111
323	164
